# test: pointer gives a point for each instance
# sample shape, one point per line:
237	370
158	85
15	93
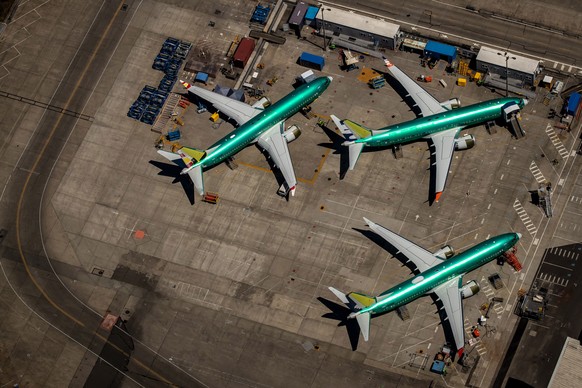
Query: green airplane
439	123
256	124
440	273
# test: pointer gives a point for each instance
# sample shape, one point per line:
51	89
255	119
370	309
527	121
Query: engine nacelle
453	103
292	133
262	103
469	289
464	142
445	252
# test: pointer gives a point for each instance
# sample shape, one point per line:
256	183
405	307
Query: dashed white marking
533	167
564	153
531	228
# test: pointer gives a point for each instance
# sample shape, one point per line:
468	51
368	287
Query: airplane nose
330	78
519	235
525	101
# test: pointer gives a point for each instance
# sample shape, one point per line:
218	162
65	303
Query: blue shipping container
311	13
440	51
573	103
313	61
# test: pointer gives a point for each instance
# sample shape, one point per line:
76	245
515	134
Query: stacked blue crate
260	14
151	100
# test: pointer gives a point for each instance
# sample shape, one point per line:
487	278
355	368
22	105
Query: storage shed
439	50
310	15
364	31
297	18
311	60
573	103
490	60
243	52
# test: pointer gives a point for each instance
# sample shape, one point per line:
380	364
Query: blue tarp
440	50
201	77
573	103
311	13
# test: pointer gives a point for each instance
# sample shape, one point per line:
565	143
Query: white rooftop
497	57
568	371
357	21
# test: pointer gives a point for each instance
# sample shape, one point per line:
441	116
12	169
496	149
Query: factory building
355	29
521	71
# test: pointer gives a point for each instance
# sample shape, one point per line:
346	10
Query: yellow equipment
214	117
462	81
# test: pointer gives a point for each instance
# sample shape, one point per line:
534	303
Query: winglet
292	190
437	196
460	352
387	62
186	84
367	221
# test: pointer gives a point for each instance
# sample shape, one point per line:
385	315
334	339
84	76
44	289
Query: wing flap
450	296
427	104
444	147
275	144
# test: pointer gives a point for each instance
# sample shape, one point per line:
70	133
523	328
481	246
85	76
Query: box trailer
243	52
313	61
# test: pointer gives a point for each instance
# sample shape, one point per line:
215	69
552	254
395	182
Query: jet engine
464	142
292	133
469	289
445	252
262	103
453	103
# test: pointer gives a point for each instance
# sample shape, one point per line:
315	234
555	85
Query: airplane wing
421	258
275	144
236	110
450	296
428	104
444	146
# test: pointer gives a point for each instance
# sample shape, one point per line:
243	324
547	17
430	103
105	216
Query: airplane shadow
336	145
393	251
173	171
340	313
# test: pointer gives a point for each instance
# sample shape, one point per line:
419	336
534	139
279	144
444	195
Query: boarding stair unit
167	111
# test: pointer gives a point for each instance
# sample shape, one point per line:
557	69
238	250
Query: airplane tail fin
352	132
355	302
187	158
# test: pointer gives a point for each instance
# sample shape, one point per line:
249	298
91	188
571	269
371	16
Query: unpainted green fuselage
425	126
424	282
247	133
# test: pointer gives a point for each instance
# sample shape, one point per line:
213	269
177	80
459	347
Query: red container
243	52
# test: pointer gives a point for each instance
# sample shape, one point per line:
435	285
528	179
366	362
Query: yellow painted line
27	181
319	167
302	180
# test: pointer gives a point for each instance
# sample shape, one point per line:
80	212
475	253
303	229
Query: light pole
323	26
507	56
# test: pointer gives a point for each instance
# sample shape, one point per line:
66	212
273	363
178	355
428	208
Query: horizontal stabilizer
355	149
364	323
340	295
172	157
195	173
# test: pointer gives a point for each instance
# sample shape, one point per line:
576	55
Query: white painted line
536	241
509	160
502	175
